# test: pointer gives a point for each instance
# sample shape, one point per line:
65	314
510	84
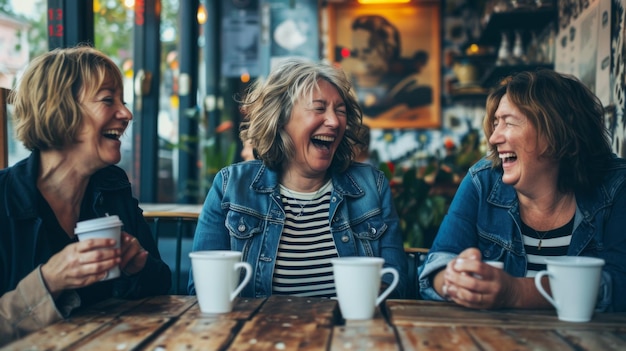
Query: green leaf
384	167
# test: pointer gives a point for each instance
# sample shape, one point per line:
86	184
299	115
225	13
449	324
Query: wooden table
290	323
170	210
427	325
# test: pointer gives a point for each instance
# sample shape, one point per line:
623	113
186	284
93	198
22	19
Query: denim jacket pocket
243	226
371	229
490	250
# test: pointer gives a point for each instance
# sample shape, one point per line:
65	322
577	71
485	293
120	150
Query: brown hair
567	115
48	113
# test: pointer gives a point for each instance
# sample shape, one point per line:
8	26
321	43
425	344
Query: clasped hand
470	282
86	262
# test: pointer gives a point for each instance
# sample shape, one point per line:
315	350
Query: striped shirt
554	242
306	246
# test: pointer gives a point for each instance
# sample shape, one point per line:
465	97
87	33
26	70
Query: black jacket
24	244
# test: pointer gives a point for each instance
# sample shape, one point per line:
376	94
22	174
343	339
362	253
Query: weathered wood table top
291	323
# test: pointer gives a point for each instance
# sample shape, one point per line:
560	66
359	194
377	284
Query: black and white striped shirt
306	245
553	243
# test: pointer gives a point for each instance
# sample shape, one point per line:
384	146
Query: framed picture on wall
392	55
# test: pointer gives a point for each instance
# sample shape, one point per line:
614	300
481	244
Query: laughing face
316	127
519	148
106	118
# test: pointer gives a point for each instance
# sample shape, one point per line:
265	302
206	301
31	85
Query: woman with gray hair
304	201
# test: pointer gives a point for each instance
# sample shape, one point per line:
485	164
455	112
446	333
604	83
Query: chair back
4	120
173	233
415	257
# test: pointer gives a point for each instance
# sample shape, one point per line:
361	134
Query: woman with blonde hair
69	111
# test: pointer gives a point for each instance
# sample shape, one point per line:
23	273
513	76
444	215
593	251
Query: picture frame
392	54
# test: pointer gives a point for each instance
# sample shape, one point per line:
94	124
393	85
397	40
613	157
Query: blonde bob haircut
567	115
47	101
267	107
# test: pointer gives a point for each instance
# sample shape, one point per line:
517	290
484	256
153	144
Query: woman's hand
134	256
472	283
80	264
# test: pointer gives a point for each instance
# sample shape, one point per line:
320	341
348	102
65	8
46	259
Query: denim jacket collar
588	204
267	181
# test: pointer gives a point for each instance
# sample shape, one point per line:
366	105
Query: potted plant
422	192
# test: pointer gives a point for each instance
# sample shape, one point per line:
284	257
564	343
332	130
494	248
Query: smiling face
105	120
316	127
520	149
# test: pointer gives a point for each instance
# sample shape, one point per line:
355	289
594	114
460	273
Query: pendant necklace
544	234
541	238
297	199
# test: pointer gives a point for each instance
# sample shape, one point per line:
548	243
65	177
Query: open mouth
323	141
113	134
508	157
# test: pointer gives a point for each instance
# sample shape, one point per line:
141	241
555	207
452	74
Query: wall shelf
496	73
523	19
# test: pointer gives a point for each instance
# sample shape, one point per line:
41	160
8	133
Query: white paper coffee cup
496	264
109	227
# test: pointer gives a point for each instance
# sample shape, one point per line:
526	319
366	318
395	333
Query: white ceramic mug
109	227
216	278
574	281
357	282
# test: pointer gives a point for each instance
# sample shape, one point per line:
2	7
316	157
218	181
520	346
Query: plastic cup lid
97	224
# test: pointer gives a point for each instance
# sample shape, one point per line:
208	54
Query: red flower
449	143
392	167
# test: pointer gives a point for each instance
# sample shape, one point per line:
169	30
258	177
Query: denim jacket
23	248
244	212
485	214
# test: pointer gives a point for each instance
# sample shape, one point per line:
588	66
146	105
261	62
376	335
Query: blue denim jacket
243	211
485	214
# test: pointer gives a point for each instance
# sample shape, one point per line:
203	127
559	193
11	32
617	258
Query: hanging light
371	2
202	15
245	77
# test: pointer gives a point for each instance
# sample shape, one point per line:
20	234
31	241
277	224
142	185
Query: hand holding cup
134	256
109	227
80	264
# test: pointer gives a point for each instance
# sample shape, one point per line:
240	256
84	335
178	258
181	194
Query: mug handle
394	283
539	287
246	279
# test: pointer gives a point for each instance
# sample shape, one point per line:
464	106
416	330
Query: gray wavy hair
267	107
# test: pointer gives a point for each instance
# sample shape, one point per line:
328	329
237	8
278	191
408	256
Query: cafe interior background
423	100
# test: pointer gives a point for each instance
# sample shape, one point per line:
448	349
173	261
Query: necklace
544	234
310	196
541	238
